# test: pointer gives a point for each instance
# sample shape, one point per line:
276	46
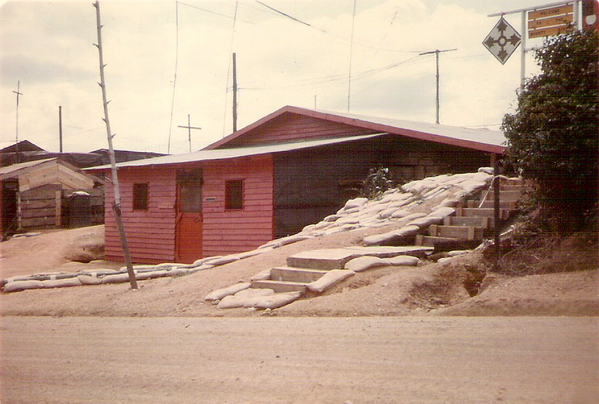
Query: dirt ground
434	333
300	360
459	288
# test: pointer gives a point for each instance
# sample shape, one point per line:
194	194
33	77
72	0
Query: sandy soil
300	360
376	338
430	289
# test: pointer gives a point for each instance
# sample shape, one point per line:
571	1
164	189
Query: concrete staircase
309	266
474	218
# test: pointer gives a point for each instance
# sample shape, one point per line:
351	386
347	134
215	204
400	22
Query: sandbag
409	230
403	260
17	286
424	222
277	300
223	260
118	278
151	275
230	302
363	263
443	212
261	276
329	279
89	280
61	283
254	292
231	290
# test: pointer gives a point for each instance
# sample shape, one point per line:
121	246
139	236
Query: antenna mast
436	52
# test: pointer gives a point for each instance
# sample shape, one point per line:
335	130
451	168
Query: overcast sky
302	61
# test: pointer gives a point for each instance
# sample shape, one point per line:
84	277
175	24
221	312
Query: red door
189	222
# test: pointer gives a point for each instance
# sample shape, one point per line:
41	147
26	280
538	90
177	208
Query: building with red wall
270	179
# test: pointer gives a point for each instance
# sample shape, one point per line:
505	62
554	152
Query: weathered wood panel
233	231
308	184
38	207
150	233
288	127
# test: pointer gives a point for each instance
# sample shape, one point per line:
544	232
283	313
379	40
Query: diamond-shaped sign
502	41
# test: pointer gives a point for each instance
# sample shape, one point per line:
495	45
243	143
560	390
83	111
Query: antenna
436	52
189	128
234	92
18	93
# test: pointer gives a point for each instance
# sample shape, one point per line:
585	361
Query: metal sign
502	41
550	21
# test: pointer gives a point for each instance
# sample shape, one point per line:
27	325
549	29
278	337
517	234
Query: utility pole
18	93
189	128
234	93
60	127
436	52
116	206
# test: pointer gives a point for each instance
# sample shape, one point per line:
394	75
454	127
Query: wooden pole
496	211
60	127
116	206
234	93
436	52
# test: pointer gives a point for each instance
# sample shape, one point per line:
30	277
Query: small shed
32	193
272	178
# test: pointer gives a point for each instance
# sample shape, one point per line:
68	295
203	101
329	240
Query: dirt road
299	360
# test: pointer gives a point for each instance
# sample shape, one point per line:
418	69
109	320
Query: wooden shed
270	179
32	193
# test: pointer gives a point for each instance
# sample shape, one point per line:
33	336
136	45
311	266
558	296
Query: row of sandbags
242	295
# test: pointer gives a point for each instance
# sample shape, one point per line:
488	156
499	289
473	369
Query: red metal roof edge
485	147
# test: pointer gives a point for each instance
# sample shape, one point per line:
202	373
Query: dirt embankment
461	287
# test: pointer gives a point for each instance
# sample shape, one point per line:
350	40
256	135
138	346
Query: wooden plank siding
38	207
233	231
308	184
293	127
150	233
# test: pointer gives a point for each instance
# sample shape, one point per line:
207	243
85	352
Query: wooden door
189	222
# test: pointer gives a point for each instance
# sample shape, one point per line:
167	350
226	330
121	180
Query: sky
168	60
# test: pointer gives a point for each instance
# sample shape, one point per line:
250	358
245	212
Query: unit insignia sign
502	41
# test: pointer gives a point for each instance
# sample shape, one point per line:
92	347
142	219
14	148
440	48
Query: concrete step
280	286
506	195
328	259
459	232
325	259
481	222
482	212
446	243
295	274
509	205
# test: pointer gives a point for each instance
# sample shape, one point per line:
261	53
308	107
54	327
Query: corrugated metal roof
486	136
222	154
12	170
485	140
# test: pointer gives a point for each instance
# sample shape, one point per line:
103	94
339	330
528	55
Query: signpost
550	21
537	22
502	41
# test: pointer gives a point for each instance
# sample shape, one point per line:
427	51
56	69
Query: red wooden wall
234	231
150	233
289	127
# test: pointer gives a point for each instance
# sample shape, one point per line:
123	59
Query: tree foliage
553	136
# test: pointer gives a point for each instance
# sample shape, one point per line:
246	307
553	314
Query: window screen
234	194
140	196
